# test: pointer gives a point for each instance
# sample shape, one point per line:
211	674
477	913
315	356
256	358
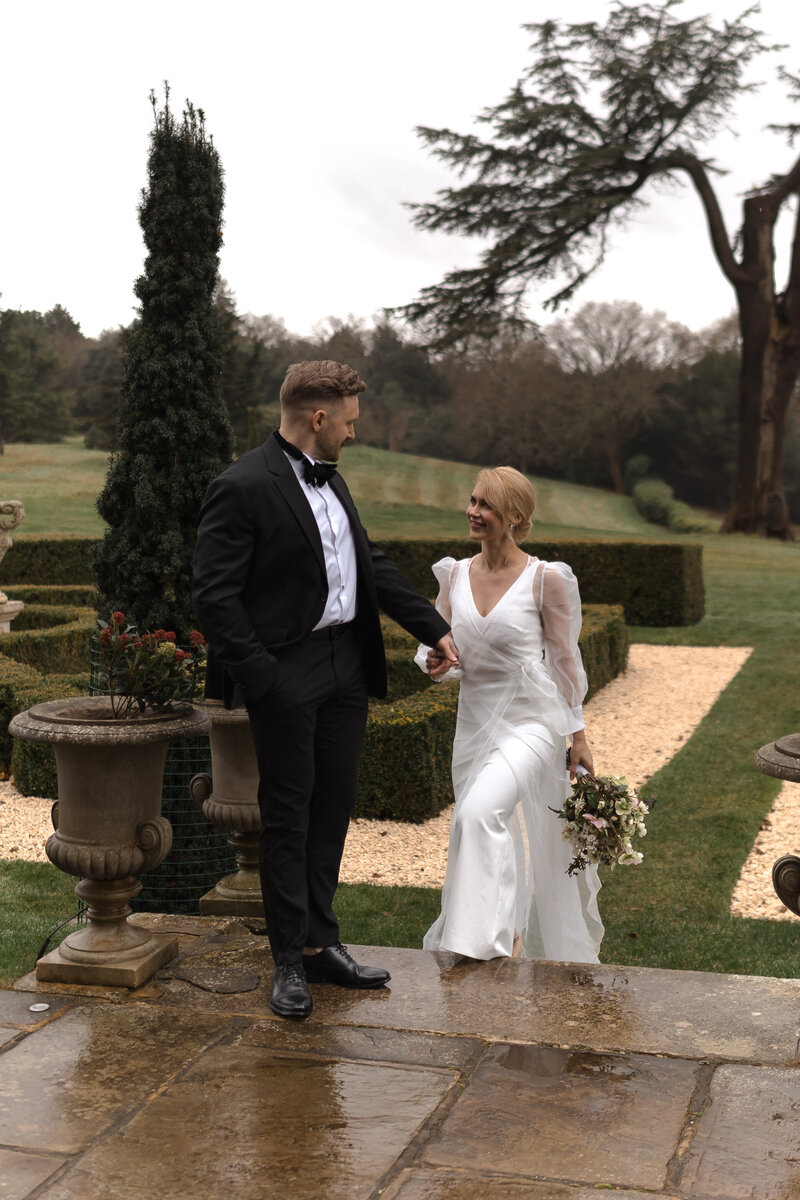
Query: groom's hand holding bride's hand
580	755
442	657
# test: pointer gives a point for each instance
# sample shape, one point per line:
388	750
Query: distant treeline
606	397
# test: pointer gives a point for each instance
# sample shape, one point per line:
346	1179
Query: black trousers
308	733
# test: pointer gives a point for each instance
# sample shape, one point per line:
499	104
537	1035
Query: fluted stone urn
228	797
107	828
781	759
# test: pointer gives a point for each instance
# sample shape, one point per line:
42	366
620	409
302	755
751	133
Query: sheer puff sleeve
559	605
444	570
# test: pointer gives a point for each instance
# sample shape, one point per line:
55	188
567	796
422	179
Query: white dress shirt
337	546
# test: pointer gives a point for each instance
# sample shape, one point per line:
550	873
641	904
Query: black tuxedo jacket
260	581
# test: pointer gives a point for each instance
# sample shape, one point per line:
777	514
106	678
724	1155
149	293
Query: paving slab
15	1010
253	1124
70	1080
573	1116
747	1145
430	1184
460	1079
21	1173
687	1014
379	1045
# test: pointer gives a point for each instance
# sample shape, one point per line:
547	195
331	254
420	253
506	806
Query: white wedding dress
522	686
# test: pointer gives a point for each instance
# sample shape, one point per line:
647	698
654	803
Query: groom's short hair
319	382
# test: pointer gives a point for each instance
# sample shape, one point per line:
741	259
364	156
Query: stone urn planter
781	760
228	797
108	827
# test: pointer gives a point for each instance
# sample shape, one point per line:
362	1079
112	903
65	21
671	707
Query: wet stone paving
460	1080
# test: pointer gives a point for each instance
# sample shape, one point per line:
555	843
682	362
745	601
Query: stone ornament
12	512
781	760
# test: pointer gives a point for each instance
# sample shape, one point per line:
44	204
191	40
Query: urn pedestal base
109	951
239	894
159	948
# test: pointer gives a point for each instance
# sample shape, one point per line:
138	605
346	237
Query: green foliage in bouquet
147	671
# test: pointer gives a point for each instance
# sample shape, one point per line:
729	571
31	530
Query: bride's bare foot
516	947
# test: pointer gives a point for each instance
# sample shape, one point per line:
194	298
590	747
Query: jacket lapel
287	484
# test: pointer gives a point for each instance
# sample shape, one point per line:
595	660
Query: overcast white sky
312	107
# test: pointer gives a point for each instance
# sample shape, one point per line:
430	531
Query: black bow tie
314	473
317	473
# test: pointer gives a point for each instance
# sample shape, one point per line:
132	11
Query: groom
287	588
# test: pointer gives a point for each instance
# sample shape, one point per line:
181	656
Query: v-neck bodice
499	601
511	630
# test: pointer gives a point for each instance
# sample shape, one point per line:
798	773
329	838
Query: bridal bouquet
603	814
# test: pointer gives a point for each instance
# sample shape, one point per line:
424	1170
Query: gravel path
636	724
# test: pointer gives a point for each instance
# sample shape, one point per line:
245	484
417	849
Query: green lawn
58	485
398	494
673	911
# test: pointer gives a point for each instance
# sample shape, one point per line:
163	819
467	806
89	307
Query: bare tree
618	357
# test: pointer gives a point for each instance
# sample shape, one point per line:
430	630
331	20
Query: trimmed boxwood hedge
50	559
405	761
79	595
657	583
32	764
405	765
60	648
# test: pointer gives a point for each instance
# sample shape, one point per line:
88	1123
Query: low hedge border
405	761
405	764
49	559
58	649
657	583
21	686
50	616
80	595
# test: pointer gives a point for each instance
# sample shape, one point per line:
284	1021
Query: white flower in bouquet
602	814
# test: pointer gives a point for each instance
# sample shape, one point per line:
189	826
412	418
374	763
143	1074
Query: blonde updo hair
512	496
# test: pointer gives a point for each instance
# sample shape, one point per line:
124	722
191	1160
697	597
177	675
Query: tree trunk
768	375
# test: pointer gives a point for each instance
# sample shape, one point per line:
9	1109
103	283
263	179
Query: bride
515	622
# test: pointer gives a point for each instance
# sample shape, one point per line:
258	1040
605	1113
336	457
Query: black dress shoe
335	965
290	995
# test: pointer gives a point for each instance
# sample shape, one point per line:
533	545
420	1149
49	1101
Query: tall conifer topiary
174	434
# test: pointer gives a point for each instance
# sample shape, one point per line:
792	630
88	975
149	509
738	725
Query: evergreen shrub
656	502
173	434
657	583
